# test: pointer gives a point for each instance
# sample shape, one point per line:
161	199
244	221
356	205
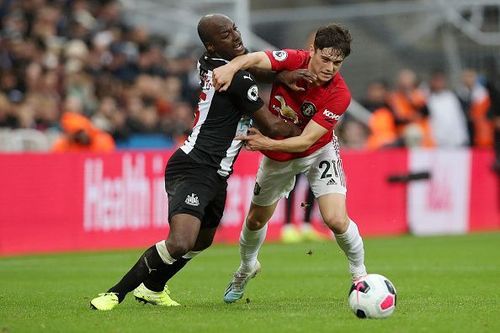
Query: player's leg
161	256
307	230
252	236
274	181
333	210
154	289
289	232
327	180
185	222
157	280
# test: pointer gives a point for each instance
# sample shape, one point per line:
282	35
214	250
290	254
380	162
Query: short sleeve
329	114
245	93
287	59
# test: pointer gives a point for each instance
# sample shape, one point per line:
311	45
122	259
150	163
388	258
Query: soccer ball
373	296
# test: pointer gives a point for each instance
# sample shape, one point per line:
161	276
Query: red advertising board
72	202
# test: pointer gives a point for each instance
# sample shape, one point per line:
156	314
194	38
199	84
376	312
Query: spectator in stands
179	125
447	119
7	117
80	135
74	57
476	102
111	119
352	133
493	86
409	106
382	123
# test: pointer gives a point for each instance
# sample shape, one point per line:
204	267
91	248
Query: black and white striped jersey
219	116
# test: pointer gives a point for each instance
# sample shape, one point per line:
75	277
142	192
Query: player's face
227	41
325	63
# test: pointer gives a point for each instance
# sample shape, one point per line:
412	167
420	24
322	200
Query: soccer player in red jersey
316	104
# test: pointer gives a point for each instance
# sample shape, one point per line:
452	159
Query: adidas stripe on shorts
323	169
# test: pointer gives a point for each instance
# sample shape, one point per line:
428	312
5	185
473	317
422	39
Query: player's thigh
326	173
258	216
215	208
274	181
193	190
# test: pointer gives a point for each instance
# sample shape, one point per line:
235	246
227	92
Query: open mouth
239	46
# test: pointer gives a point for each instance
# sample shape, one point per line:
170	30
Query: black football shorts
194	189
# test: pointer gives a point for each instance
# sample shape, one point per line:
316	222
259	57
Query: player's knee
338	223
179	247
254	223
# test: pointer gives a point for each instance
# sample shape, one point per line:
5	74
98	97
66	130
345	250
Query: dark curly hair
334	36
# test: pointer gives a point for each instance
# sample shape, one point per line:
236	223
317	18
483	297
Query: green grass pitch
445	284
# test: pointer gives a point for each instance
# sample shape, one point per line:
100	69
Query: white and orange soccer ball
372	296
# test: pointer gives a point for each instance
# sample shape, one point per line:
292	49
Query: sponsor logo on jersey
284	110
253	93
331	115
308	109
192	200
248	77
256	189
280	55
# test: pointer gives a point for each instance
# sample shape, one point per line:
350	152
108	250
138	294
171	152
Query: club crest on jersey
192	200
253	93
308	109
280	55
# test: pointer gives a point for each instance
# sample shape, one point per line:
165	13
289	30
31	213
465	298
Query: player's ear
210	47
311	50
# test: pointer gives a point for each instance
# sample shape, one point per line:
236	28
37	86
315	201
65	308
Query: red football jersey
324	104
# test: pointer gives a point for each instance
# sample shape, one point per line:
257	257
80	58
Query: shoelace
239	279
110	293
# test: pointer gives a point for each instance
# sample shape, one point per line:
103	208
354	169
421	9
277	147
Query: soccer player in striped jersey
196	174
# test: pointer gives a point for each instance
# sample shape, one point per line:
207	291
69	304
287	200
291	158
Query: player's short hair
204	35
335	36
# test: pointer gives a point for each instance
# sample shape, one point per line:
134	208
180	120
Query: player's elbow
276	130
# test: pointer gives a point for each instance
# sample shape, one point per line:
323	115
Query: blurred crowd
78	67
414	113
81	56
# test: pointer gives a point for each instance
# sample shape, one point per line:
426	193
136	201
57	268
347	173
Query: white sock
351	243
161	247
250	243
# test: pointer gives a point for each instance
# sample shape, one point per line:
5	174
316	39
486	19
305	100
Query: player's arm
311	133
245	95
223	75
273	126
288	78
262	75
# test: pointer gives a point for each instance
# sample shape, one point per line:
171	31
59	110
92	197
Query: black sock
309	207
157	280
149	262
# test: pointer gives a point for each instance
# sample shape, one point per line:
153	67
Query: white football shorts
323	169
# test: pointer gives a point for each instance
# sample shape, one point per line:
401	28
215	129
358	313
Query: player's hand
290	78
222	77
254	140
